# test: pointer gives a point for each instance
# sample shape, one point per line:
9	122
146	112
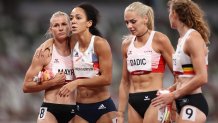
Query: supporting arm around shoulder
45	45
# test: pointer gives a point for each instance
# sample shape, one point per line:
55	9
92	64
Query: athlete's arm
124	86
36	66
166	49
45	45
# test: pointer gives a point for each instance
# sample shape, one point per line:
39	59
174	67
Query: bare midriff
182	81
92	95
146	82
52	96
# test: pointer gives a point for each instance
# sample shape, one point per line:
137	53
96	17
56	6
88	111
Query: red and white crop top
182	64
86	64
60	63
144	59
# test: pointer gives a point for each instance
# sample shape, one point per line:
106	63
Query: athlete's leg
151	115
72	120
191	114
78	119
133	116
109	117
46	117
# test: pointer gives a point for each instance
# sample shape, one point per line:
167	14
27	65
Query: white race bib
62	68
42	113
189	113
139	62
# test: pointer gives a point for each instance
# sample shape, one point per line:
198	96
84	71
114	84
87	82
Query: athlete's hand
163	100
43	47
120	117
40	50
68	88
59	78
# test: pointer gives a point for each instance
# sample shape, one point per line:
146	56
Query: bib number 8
42	112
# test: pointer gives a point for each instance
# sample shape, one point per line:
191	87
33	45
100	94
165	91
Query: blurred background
23	24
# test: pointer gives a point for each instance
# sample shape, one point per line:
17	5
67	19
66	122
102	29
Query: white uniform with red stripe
86	64
144	59
60	63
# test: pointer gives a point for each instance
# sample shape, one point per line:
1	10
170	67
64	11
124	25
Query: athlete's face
60	27
172	17
135	23
79	21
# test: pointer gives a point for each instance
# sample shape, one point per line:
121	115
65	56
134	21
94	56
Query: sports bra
144	59
86	64
182	64
60	63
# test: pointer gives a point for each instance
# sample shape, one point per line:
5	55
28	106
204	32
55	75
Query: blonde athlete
144	57
54	109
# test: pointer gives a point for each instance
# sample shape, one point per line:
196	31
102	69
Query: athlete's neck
142	34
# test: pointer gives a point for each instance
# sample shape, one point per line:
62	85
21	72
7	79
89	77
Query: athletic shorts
196	100
91	112
62	112
141	101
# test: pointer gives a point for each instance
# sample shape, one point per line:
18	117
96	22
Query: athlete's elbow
26	89
203	79
107	80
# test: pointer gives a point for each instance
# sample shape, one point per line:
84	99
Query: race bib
42	113
62	68
139	63
189	113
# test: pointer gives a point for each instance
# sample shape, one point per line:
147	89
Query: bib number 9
189	113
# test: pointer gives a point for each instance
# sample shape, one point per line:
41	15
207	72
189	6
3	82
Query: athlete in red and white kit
56	68
144	56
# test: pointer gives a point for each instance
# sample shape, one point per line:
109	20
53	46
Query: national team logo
94	57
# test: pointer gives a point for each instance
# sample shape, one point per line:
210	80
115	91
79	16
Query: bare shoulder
194	39
127	40
99	39
100	42
101	46
160	37
194	35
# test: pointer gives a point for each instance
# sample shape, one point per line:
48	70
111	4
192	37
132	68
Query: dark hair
92	14
190	14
